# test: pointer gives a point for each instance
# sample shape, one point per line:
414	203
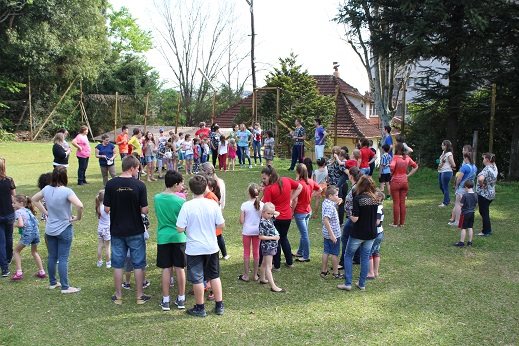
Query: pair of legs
444	180
346	230
104	173
244	154
206	267
374	258
266	272
150	168
335	263
81	170
298	153
160	165
398	194
456	210
283	244
331	249
221	244
172	257
100	245
319	151
484	211
189	164
34	252
248	241
304	241
6	241
137	247
232	163
58	248
365	250
214	156
222	161
256	148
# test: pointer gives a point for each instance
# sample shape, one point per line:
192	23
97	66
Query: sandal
240	277
324	274
338	276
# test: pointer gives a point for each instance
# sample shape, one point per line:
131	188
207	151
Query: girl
320	176
187	147
103	231
29	235
197	154
222	153
256	142
250	218
213	192
269	237
150	149
268	147
231	152
445	167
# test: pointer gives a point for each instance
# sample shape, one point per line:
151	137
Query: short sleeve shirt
136	144
299	132
167	208
468	203
105	150
385	161
123	147
319	135
252	218
6	204
243	138
330	211
365	208
58	207
82	141
30	223
488	190
280	197
267	229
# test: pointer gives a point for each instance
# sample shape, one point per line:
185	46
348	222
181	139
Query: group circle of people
190	231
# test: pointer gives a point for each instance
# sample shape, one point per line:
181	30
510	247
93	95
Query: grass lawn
429	292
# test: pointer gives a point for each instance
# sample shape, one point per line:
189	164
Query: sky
303	27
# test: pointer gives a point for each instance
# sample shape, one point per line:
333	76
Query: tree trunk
513	169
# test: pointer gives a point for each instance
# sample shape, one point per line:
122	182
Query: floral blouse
488	190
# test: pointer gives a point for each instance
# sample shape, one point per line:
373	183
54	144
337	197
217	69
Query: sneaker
180	303
197	312
71	290
452	223
126	286
250	166
362	288
469	243
17	276
344	287
143	299
146	284
99	264
41	275
218	309
459	244
442	205
226	257
164	305
108	264
5	273
116	300
56	285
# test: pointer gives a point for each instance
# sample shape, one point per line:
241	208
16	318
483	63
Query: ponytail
254	193
26	202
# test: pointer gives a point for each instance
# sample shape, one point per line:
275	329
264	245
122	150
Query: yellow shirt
136	144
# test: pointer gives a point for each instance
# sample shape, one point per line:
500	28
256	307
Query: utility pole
252	37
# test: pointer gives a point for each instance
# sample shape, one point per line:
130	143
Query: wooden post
336	111
30	109
254	95
146	111
404	106
276	141
213	117
474	146
178	115
115	115
492	119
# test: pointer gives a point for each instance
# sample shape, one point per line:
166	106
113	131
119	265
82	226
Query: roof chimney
336	69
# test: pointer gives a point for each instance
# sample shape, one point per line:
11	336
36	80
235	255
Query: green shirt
167	207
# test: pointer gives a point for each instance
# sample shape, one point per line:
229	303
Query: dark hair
355	173
448	146
386	148
213	185
196	140
400	150
99	200
399	139
299	120
364	142
345	148
468	156
309	166
130	162
26	201
254	193
59	176
124	127
273	175
490	157
330	191
105	136
215	127
136	131
83	129
318	121
370	142
469	184
321	162
186	137
269	134
172	178
44	180
467	147
302	171
222	139
387	128
198	184
365	185
62	130
343	154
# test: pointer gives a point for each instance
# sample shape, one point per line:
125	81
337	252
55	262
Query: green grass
429	291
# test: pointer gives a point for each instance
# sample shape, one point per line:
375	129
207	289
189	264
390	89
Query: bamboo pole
30	109
492	119
146	111
336	111
115	116
178	115
213	116
54	109
276	141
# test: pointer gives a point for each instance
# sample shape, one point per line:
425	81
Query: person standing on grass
214	141
446	166
298	148
268	147
366	156
105	152
103	231
354	176
60	152
243	137
122	142
374	257
202	132
7	192
161	151
207	170
125	200
222	153
231	153
385	170
467	171
269	237
135	147
198	218
256	142
486	190
59	226
387	139
320	139
83	154
250	215
171	245
468	203
150	151
331	230
320	176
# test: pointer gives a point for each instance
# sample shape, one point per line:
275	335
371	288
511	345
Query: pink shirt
82	141
399	168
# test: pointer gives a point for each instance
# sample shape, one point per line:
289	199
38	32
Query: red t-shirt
305	197
280	197
351	163
398	168
202	133
365	155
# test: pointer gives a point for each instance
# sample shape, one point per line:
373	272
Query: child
331	232
198	218
197	153
128	265
179	145
29	235
256	142
385	170
231	152
103	231
205	147
469	200
269	237
372	163
374	258
213	192
187	147
268	147
320	176
250	217
222	153
150	150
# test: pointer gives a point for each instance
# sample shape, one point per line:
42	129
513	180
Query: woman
244	137
282	192
7	192
486	190
106	155
303	211
399	183
363	233
58	228
60	151
82	154
354	176
467	172
149	149
446	166
214	141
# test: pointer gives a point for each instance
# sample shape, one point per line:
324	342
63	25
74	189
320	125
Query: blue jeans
304	242
364	171
346	230
444	179
58	248
81	170
365	251
244	153
256	148
6	241
298	152
137	246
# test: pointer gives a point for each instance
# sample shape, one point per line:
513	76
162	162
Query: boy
331	231
385	171
374	258
469	200
198	218
171	245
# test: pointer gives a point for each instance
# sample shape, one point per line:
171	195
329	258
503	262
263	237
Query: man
125	200
320	139
298	149
122	142
202	132
388	139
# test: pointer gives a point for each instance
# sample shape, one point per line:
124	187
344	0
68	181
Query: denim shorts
150	159
137	246
188	157
330	248
202	267
375	248
27	239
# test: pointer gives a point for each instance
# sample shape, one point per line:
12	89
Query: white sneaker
250	166
51	287
99	264
71	290
108	264
226	257
452	223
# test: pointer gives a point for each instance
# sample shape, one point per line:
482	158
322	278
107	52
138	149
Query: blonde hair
268	206
59	138
2	168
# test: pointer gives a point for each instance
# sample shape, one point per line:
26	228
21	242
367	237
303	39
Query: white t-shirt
188	147
104	220
445	165
252	218
222	148
199	217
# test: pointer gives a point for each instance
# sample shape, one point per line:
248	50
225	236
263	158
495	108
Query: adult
320	139
122	142
105	152
282	192
125	200
244	138
233	135
60	152
59	229
486	190
298	148
214	140
354	176
399	183
387	139
207	170
65	135
446	166
7	192
83	154
257	136
363	233
303	211
203	132
366	156
467	172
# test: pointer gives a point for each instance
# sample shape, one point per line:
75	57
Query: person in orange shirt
122	142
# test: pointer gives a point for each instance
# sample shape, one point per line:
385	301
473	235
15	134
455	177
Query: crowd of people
190	230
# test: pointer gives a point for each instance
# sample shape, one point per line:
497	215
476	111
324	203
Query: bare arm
413	171
144	210
79	207
326	222
242	217
354	218
19	222
36	201
451	162
74	144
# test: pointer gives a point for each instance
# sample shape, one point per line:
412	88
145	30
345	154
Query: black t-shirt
125	197
6	202
365	207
